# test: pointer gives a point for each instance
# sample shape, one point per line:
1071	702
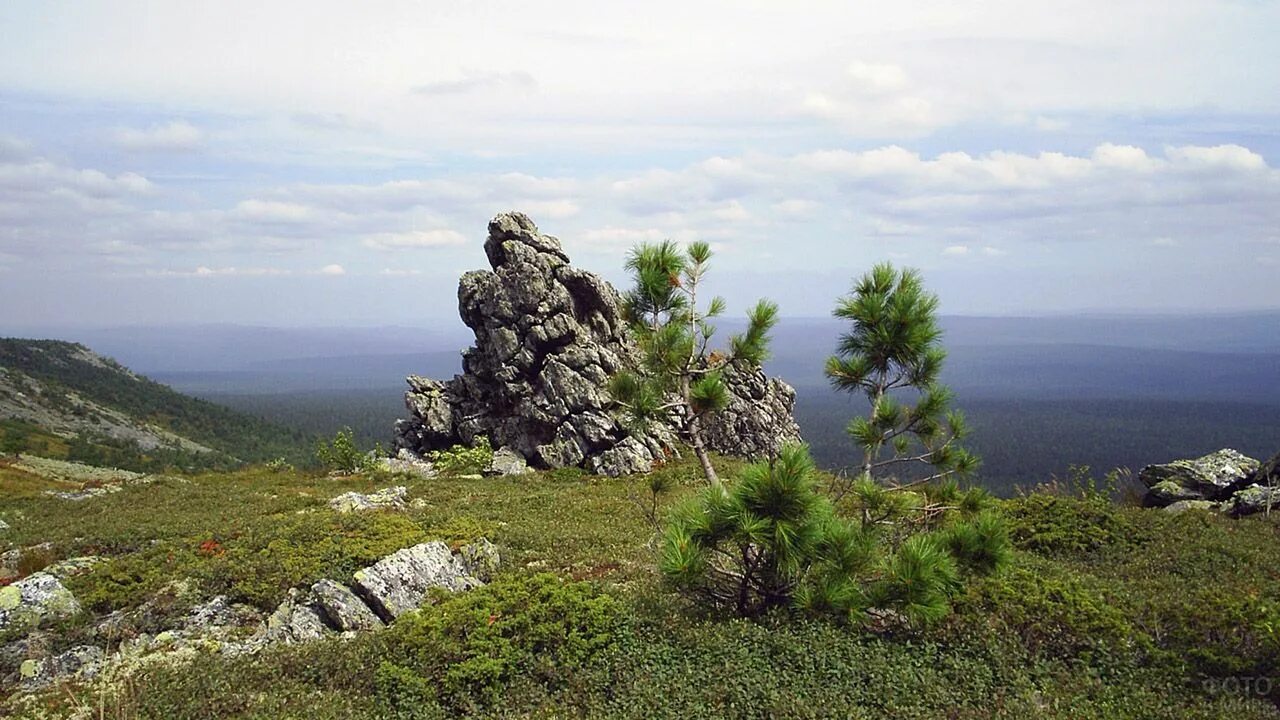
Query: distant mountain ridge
63	399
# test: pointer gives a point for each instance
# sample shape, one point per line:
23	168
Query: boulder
296	620
342	608
32	600
507	462
392	498
1211	477
409	463
1254	499
548	336
81	662
1182	506
1168	492
400	581
480	559
71	567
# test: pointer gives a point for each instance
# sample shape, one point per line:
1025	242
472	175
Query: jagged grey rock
392	498
507	462
400	581
758	421
1211	477
32	600
548	336
344	610
296	620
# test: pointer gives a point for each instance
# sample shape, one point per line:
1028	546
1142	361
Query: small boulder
507	461
296	620
82	661
481	559
400	581
343	609
1211	477
1182	506
408	462
71	567
1254	499
392	498
35	599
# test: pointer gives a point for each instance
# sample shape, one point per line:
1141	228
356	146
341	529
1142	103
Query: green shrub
463	460
342	455
980	544
1059	526
466	650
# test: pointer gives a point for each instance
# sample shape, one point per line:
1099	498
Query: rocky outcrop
548	336
1224	480
400	582
758	422
344	610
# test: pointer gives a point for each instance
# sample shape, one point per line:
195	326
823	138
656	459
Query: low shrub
1058	526
465	651
463	460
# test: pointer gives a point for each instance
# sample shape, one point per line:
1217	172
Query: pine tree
679	381
893	349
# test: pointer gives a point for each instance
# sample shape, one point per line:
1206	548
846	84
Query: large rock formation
548	337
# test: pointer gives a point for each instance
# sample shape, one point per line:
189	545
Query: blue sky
318	163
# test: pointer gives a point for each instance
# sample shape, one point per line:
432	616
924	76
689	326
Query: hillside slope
62	399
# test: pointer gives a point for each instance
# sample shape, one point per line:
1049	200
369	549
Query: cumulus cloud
173	136
334	269
875	99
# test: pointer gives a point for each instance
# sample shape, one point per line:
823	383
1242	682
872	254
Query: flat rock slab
400	581
392	498
1210	477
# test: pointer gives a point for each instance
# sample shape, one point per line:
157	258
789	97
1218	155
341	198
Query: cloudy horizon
311	164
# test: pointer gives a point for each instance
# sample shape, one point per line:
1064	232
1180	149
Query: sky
327	163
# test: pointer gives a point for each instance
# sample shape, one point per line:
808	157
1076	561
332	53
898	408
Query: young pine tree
679	380
893	349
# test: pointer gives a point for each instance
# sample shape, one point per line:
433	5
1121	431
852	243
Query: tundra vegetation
781	591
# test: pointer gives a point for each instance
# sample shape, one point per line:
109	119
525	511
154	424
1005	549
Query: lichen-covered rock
408	462
344	610
1182	506
758	420
296	620
79	662
480	559
400	581
32	600
1254	499
392	498
548	336
1168	492
1211	477
71	567
507	462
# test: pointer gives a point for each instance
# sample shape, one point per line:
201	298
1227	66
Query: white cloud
472	81
990	251
173	136
1164	242
332	270
272	211
956	250
415	239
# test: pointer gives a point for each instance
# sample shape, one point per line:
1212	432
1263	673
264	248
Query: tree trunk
693	428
